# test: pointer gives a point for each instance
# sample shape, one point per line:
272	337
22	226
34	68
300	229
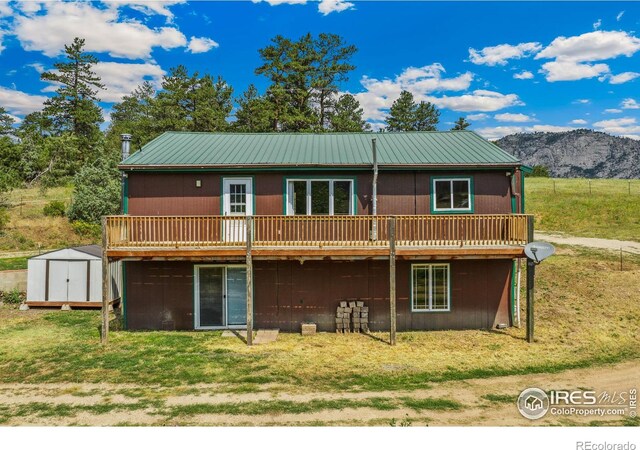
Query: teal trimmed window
320	196
452	195
430	288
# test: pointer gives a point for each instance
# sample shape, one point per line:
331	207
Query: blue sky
507	67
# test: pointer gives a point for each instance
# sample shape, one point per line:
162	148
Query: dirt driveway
605	244
482	402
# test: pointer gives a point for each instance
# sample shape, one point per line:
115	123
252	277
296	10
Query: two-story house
273	230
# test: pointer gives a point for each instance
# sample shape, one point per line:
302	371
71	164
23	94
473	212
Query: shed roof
230	150
82	252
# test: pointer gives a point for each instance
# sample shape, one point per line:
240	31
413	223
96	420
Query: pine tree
74	106
254	113
406	115
6	123
460	124
347	115
402	113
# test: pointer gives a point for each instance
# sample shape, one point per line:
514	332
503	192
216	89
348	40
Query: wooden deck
316	237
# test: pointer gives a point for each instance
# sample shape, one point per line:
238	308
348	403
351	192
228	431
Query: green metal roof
227	150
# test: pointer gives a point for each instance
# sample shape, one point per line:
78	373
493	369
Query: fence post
392	280
104	332
249	284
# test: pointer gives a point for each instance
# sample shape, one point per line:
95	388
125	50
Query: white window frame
430	289
290	194
451	208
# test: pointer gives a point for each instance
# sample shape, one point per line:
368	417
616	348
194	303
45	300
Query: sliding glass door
220	296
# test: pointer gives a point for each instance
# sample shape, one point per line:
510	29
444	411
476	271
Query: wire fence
595	186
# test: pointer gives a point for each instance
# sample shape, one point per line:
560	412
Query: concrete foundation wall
13	279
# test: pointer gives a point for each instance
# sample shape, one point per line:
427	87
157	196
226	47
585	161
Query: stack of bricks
352	316
343	318
360	317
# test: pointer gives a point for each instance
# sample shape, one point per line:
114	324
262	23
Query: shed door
58	271
67	281
77	284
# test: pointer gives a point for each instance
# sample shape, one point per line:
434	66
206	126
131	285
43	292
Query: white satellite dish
539	251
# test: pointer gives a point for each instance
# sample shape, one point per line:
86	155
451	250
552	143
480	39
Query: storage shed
70	276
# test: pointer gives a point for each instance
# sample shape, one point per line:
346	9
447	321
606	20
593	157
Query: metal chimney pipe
125	140
374	192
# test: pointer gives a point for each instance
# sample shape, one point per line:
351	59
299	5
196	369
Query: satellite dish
539	251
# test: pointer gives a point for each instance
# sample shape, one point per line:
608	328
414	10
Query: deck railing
315	231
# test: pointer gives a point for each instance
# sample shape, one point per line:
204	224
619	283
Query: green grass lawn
588	313
610	210
13	263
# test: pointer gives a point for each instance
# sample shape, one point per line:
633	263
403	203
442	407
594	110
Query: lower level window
430	287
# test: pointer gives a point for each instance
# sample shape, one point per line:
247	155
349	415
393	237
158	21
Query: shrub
13	297
96	193
54	208
87	229
540	171
4	219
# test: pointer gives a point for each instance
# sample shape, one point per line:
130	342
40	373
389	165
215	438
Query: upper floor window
452	195
320	197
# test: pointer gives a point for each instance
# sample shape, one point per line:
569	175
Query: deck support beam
531	275
249	263
392	281
104	331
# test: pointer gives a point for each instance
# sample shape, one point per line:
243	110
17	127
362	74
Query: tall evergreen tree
406	115
304	77
254	113
460	124
74	106
347	115
6	123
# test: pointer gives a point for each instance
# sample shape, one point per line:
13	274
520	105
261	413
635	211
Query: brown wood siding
401	193
288	293
159	295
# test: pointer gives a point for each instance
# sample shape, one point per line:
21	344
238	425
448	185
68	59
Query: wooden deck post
531	274
392	280
249	283
104	332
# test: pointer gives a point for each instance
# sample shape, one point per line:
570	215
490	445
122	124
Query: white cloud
122	78
148	7
38	67
593	46
626	126
581	101
572	55
619	16
5	9
379	95
103	29
579	122
561	70
20	103
524	75
629	103
328	6
597	24
478	117
621	77
613	111
478	100
201	44
500	54
510	117
493	133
